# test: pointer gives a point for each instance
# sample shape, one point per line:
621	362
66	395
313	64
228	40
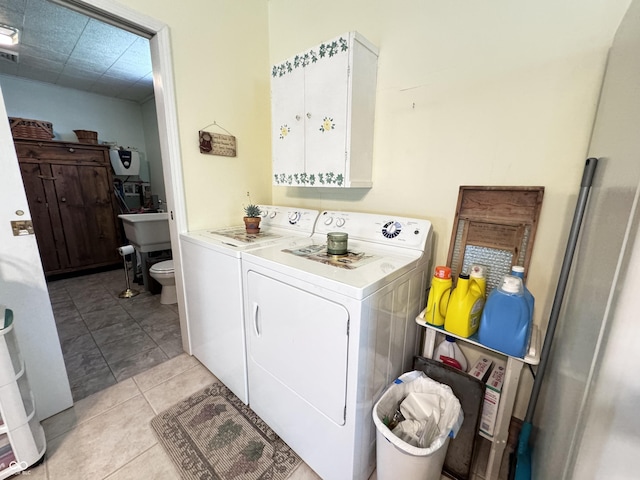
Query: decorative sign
217	144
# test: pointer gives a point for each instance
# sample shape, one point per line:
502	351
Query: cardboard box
492	400
481	368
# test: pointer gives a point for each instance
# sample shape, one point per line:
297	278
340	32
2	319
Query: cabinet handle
308	115
298	118
72	150
44	177
63	199
255	319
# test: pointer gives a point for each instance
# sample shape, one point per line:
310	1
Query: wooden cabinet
323	106
22	440
70	194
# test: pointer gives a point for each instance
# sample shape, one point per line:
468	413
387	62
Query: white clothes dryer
326	334
211	263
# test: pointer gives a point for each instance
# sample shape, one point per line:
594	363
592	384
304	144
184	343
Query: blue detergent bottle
506	318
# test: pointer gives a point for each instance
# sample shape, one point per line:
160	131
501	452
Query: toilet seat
163	267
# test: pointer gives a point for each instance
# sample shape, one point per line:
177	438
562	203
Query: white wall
152	148
221	73
469	93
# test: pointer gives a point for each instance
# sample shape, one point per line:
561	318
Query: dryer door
299	339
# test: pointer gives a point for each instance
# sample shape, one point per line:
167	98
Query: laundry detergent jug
438	299
506	319
449	353
465	307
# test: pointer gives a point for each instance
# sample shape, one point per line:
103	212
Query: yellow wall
221	73
469	93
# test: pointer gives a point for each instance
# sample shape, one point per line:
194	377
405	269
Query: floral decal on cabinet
284	131
325	50
321	179
327	124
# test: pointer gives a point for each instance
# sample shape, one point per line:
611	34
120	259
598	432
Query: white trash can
398	459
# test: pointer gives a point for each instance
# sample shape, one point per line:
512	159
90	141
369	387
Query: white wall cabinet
22	440
323	108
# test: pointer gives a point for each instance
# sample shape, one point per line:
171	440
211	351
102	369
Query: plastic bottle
449	350
505	323
518	271
465	308
438	299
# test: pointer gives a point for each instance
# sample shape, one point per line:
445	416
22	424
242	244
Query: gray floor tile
115	332
89	384
83	364
136	364
127	347
106	339
76	345
111	314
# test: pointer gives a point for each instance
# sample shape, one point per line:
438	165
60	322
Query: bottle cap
477	271
443	272
511	284
517	269
449	338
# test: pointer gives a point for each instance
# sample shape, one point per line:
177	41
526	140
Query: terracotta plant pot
252	224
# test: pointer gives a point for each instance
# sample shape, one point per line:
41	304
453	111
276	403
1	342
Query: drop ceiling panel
69	49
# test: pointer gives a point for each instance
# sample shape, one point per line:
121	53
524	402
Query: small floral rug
213	435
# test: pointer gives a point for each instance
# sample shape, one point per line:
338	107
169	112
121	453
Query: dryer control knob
294	217
273	214
328	220
340	222
391	229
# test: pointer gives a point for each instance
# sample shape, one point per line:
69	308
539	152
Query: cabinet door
287	126
326	115
87	217
39	186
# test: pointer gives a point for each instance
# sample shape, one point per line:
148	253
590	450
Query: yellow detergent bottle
465	308
438	299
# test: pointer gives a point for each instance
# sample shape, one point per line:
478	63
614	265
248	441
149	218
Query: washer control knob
340	222
294	217
391	229
328	220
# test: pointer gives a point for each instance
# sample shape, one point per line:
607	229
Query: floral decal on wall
325	50
327	179
327	124
284	131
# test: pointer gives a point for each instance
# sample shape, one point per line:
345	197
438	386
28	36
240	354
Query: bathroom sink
147	232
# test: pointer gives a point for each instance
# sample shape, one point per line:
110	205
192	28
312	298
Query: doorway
167	123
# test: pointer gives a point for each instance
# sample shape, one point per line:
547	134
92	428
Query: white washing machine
211	261
326	334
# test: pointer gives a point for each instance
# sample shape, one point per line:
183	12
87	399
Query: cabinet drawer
61	153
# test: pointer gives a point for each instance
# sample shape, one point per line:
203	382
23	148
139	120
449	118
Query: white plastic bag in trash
433	399
421	413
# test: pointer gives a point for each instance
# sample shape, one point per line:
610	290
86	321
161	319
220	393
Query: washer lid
160	267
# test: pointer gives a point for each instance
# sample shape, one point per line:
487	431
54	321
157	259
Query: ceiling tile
69	49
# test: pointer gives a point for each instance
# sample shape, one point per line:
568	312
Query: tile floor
106	339
126	365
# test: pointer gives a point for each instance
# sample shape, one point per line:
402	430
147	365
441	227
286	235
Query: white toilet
164	274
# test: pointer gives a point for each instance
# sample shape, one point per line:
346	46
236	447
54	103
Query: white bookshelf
22	440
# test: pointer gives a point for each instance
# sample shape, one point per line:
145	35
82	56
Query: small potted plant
252	218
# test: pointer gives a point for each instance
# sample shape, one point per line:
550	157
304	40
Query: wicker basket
86	136
26	128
